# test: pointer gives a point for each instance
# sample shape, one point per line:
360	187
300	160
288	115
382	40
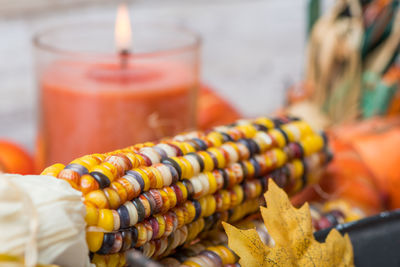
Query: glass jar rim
39	43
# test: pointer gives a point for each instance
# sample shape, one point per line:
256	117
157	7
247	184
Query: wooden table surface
252	50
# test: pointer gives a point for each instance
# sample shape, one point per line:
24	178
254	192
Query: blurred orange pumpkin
14	159
377	143
366	166
213	110
348	177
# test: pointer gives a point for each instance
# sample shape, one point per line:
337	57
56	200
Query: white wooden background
252	49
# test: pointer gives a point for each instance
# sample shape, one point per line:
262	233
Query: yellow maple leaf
291	229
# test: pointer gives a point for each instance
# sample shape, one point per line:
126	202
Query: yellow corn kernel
94	240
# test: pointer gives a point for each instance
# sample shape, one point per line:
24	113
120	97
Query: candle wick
124	56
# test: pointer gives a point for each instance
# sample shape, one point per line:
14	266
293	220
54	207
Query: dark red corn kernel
324	223
178	151
315	224
178	193
332	219
296	150
154	225
301	150
146	159
304	176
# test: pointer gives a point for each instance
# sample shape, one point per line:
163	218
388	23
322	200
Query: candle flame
123	31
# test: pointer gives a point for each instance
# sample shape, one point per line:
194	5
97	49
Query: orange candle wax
91	107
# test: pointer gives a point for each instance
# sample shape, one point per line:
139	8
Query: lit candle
97	104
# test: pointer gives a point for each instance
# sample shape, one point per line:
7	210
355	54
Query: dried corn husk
41	221
334	62
342	58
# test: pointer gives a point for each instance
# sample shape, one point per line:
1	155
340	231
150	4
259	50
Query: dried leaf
292	232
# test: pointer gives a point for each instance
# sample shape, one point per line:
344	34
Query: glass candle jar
93	99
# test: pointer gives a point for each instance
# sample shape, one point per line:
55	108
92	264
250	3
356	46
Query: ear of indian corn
157	196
